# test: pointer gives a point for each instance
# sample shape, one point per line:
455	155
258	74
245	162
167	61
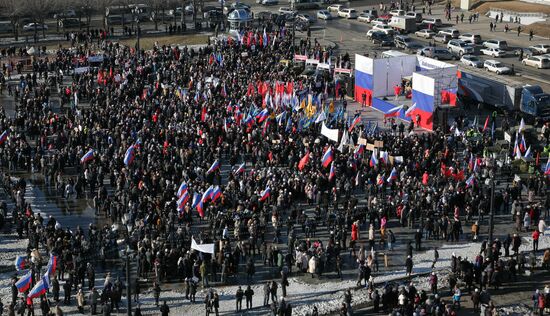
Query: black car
382	39
71	23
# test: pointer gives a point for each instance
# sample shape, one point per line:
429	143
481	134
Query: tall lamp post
137	12
293	8
127	253
492	210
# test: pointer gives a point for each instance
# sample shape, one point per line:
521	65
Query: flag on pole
215	166
486	124
40	288
410	110
87	156
355	121
240	169
4	136
129	156
471	181
52	265
393	175
332	172
393	112
328	157
265	194
20	263
521	126
373	161
304	161
24	282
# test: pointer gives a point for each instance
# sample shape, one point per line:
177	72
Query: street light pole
137	12
128	282
492	210
293	7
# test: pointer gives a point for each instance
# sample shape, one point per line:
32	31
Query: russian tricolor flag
129	156
182	189
25	282
20	263
373	161
547	168
183	199
358	150
196	200
265	194
216	194
87	156
328	157
40	288
384	157
207	195
355	121
52	264
393	112
393	175
262	115
410	110
522	144
471	181
4	136
200	209
240	169
215	166
332	172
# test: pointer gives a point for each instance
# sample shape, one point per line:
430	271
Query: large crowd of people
222	144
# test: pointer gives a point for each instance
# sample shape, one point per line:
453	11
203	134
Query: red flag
486	123
100	77
303	161
425	178
111	72
270	156
203	114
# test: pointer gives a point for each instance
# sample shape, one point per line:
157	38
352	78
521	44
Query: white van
393	53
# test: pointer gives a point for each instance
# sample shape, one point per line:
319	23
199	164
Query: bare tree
14	10
39	10
102	5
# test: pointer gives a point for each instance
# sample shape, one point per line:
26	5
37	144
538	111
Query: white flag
331	134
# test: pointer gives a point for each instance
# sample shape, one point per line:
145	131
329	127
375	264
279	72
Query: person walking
156	293
267	292
164	309
535	236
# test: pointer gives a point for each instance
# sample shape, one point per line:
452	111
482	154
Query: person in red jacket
536	235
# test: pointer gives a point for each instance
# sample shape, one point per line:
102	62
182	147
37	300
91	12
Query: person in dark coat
164	309
409	265
248	293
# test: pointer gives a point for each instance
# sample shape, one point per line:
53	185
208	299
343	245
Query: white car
496	66
397	12
495	44
305	18
425	33
324	15
470	38
434	21
287	10
35	26
365	17
539	62
459	47
270	2
540	48
471	60
388	30
379	21
335	7
348	13
493	52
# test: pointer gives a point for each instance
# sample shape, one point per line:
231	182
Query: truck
403	24
503	93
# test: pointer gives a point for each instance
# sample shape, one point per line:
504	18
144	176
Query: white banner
331	134
81	70
507	137
206	248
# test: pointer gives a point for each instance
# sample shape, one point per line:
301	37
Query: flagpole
492	210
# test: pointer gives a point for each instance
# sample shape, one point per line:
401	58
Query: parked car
324	15
496	66
348	13
70	23
381	38
454	33
470	38
425	33
435	53
270	2
539	62
397	12
405	42
471	60
433	21
442	38
35	26
365	17
371	12
527	52
416	15
384	28
459	47
287	10
65	14
335	7
305	17
495	44
380	21
494	52
540	48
